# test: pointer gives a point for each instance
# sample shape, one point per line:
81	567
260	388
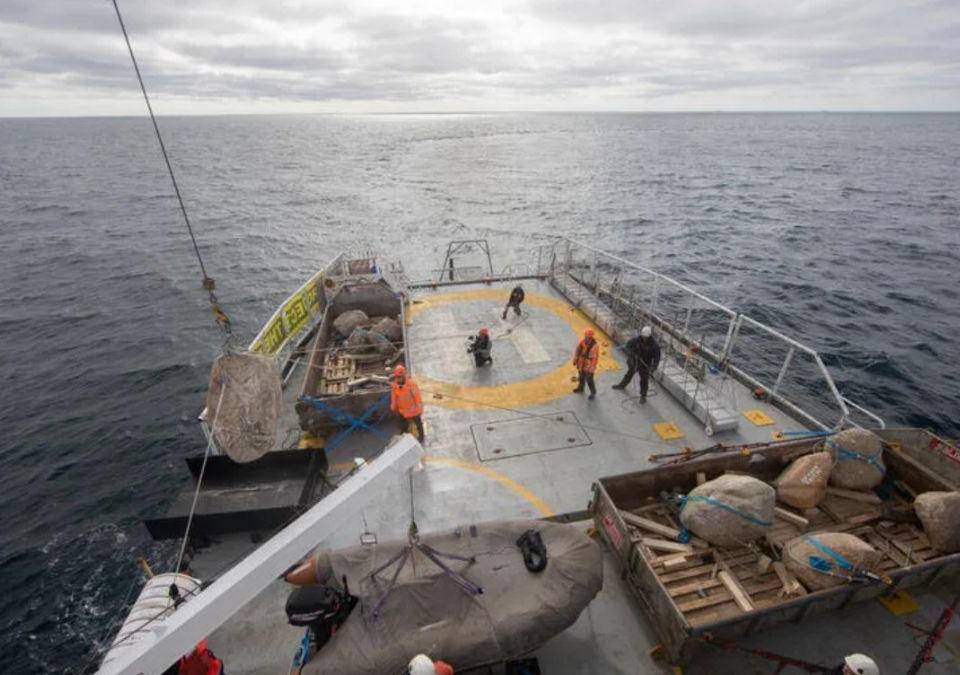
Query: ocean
839	229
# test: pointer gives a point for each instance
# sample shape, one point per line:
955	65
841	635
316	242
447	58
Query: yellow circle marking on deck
487	472
535	391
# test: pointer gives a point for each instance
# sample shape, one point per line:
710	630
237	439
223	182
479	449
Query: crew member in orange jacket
405	400
585	359
201	661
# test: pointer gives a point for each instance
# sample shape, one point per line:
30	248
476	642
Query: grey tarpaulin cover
244	420
427	612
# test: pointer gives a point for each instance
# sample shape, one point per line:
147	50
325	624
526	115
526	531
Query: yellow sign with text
294	315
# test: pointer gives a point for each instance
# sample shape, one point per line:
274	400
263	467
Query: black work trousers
634	368
586	378
418	423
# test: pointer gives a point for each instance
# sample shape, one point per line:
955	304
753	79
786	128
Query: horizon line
496	112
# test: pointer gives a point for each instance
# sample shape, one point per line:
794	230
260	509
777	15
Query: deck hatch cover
528	435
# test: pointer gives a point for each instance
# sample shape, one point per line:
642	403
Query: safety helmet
484	331
421	665
861	664
399	371
588	333
646	331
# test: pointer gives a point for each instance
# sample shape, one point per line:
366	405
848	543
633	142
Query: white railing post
732	333
783	369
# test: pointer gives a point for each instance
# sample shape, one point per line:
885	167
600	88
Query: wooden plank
703	584
789	583
791	517
649	525
724	596
673	562
866	497
865	518
664	545
884	546
906	549
740	596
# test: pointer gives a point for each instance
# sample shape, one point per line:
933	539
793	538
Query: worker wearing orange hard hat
585	360
405	400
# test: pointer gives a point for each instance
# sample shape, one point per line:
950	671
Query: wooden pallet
709	584
338	367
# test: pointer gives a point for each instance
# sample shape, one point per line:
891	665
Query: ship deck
511	440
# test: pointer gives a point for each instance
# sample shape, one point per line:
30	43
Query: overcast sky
66	57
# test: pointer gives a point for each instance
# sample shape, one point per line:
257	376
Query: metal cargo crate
692	589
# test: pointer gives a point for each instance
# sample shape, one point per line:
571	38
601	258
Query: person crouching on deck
480	346
405	400
585	359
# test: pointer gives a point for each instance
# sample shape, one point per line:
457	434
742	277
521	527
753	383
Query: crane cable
223	321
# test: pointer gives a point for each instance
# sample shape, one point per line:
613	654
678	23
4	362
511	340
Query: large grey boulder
389	328
804	483
940	514
858	459
730	510
813	558
349	321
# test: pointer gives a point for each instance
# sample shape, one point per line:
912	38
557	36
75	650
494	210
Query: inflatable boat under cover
427	612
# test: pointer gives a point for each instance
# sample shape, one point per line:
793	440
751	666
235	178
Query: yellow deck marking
668	431
758	417
535	391
899	603
506	481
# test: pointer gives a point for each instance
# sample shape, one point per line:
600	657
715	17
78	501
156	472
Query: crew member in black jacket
643	357
516	297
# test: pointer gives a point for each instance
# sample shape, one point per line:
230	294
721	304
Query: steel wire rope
163	148
105	632
208	284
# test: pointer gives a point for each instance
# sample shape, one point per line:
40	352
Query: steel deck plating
512	440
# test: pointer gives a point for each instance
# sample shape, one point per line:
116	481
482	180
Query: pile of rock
369	339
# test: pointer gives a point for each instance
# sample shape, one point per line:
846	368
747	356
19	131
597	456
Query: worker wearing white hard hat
643	358
421	664
859	664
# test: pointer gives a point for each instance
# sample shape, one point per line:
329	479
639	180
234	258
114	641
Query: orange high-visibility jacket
200	661
406	399
585	358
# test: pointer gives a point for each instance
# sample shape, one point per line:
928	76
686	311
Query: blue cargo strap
824	565
843	454
685	534
351	422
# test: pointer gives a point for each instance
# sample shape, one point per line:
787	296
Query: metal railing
798	382
624	295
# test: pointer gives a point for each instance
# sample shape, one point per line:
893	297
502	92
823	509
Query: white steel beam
178	633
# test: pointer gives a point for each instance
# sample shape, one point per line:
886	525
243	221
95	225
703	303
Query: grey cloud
237	49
